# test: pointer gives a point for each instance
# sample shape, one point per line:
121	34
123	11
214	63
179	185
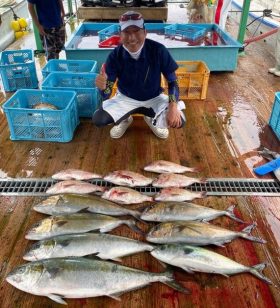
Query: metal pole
243	21
70	8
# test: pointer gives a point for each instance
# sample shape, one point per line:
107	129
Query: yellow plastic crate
193	79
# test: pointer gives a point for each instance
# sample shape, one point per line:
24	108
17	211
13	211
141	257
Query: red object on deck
111	42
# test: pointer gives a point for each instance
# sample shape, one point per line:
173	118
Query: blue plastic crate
274	121
184	31
27	123
18	71
72	66
88	97
108	32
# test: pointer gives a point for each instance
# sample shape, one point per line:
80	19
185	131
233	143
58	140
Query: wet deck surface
221	137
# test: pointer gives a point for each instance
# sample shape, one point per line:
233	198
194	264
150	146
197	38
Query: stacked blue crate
72	66
30	118
83	84
108	32
184	32
274	121
18	70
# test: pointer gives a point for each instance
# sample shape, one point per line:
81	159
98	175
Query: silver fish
76	223
127	178
75	174
197	259
73	203
197	233
125	195
46	106
163	166
74	186
82	278
178	194
185	211
175	180
104	246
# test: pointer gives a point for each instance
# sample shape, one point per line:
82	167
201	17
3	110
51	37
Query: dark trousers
53	42
101	117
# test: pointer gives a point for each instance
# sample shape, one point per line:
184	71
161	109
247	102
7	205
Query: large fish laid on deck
75	174
104	246
127	178
125	195
76	223
73	203
197	259
185	211
175	180
163	166
60	278
74	187
197	233
178	194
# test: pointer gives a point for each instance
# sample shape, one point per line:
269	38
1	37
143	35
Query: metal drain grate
213	187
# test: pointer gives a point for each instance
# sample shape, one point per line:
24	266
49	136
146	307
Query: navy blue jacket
140	79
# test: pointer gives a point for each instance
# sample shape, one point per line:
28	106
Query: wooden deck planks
215	143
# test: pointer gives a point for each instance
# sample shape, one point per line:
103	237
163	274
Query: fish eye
21	270
157	227
37	224
36	245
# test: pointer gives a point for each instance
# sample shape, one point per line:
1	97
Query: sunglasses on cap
133	16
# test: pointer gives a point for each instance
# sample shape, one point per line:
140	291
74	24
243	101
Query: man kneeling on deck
137	65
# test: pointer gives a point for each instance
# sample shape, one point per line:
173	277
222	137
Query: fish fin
84	210
230	213
57	298
53	271
176	286
249	228
132	225
245	233
225	275
114	296
164	265
137	215
257	269
117	259
65	243
219	244
61	223
93	256
205	221
187	269
106	229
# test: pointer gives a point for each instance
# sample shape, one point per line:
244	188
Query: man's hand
173	116
101	79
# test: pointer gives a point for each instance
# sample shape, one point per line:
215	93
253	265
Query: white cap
131	18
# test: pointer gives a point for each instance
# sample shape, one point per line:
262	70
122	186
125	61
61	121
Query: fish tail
194	170
256	270
230	213
203	194
132	225
137	215
245	233
167	278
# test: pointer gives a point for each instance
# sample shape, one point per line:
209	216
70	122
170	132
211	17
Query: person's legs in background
276	70
53	42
